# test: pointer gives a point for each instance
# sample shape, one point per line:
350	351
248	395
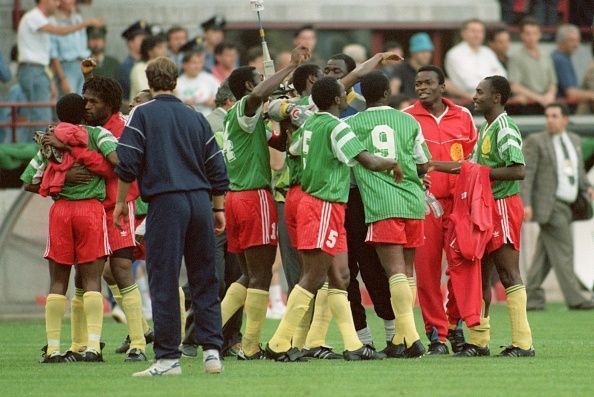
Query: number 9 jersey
390	133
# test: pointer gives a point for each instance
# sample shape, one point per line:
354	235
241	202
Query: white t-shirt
34	45
467	67
199	89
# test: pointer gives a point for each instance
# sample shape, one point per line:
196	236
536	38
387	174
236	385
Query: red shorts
77	232
507	229
119	239
139	248
320	225
251	220
409	233
294	196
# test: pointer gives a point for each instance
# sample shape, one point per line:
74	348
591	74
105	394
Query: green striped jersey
327	147
100	140
245	148
500	145
392	134
294	162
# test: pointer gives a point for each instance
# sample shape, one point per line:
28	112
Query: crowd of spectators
53	38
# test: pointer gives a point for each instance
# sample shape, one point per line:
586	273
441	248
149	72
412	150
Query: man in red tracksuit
450	134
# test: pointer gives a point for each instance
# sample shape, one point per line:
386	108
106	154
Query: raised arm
263	90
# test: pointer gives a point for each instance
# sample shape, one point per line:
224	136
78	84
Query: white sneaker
161	368
276	312
212	362
118	314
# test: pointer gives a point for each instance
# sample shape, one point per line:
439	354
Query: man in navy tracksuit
170	149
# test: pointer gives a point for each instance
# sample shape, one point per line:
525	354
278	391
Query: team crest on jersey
486	146
456	152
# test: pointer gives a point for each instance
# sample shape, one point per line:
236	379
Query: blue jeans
36	86
73	75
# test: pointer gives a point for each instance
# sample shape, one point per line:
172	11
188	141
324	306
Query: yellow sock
402	303
117	294
132	306
256	303
145	324
55	307
516	307
302	329
341	310
93	303
412	283
182	311
234	299
78	322
480	335
320	322
297	306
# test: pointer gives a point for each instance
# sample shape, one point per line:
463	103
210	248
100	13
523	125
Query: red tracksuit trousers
428	268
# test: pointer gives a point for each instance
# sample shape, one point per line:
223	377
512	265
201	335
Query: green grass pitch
563	366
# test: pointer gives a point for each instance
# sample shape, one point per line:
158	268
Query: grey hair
564	30
223	94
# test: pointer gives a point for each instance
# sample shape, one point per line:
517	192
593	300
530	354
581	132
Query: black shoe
135	355
587	305
54	358
514	351
437	348
321	353
456	338
259	355
92	356
415	350
188	350
293	355
72	357
366	352
533	308
149	337
394	351
123	348
469	350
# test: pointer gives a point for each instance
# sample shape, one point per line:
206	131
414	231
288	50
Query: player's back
390	133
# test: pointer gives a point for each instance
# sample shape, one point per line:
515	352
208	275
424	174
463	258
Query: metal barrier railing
14	122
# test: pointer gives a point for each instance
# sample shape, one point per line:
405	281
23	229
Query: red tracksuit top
474	208
450	138
115	124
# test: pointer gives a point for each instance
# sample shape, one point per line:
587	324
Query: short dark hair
349	62
302	28
253	53
175	29
302	73
222	47
149	43
107	89
435	69
392	44
324	91
238	78
500	85
71	108
564	108
189	54
493	33
161	74
528	21
374	85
